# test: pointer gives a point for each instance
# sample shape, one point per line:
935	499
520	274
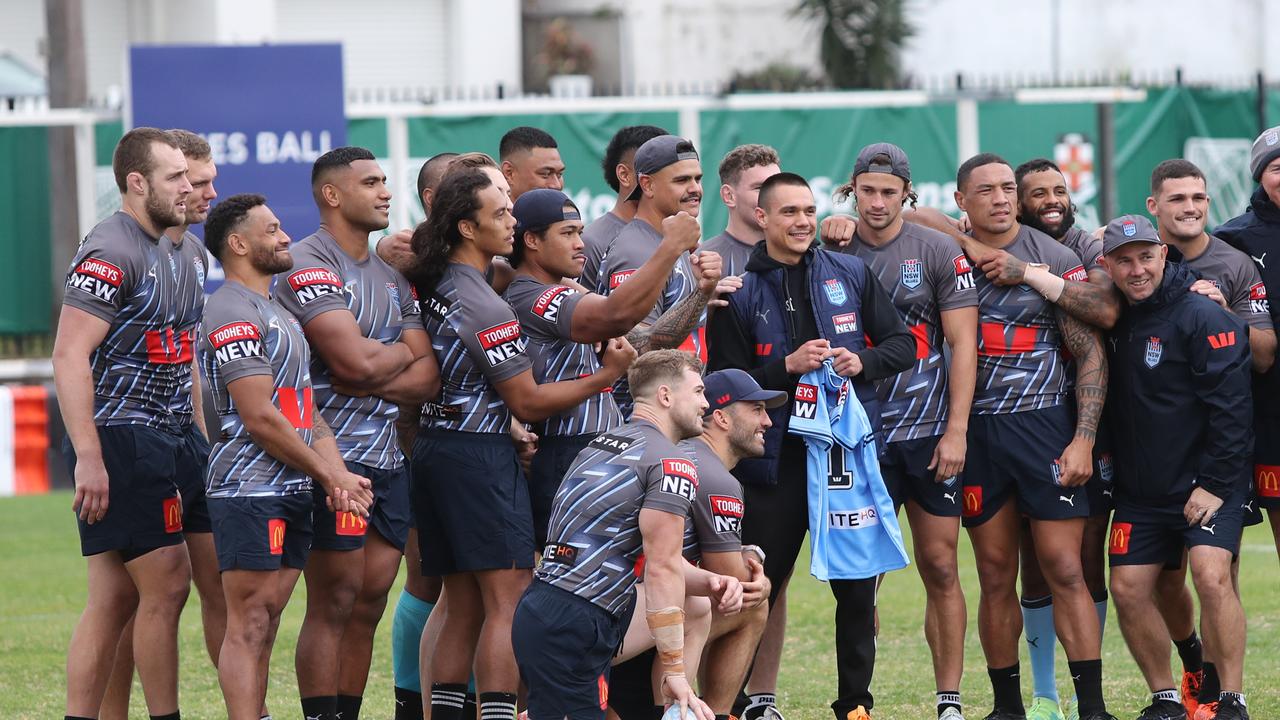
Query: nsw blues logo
835	291
199	265
1129	227
1155	349
393	292
912	273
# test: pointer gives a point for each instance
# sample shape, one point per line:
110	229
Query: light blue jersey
853	529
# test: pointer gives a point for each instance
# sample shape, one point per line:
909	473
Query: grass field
43	586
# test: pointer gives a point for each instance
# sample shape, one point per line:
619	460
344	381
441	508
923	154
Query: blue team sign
267	111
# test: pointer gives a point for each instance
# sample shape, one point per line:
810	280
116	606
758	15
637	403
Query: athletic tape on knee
667	627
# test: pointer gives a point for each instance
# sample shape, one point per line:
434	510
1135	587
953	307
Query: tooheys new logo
619	277
964	273
726	513
1077	273
547	306
501	342
806	401
313	282
235	341
1258	299
97	277
679	477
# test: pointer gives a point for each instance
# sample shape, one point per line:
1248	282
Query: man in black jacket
1180	369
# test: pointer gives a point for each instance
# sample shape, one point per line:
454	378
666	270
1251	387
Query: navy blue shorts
550	464
1016	455
389	514
1148	536
471	503
905	467
262	533
563	645
1101	487
193	462
144	510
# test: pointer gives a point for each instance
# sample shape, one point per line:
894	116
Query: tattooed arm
1085	345
675	325
1094	301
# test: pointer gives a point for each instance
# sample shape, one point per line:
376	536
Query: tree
861	40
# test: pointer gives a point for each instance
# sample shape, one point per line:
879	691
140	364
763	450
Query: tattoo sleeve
672	328
319	428
1093	302
1085	344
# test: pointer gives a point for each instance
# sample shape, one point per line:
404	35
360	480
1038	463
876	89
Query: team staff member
797	307
562	325
369	354
629	492
1025	444
479	534
925	409
742	171
620	174
530	159
272	442
115	367
1180	369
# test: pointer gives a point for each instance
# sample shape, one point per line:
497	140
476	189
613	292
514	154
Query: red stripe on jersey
992	341
299	414
921	333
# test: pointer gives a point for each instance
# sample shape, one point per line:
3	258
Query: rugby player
796	309
742	171
272	443
470	497
116	359
628	493
394	248
1180	370
620	174
925	409
369	354
530	158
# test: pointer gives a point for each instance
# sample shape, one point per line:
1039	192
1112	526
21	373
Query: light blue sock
406	635
1037	622
1101	607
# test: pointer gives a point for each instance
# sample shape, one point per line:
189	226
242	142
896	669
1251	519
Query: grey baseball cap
1265	149
1128	229
657	153
897	161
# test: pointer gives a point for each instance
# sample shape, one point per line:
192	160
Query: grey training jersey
715	525
191	262
596	238
1237	277
733	253
594	541
246	334
478	341
925	273
325	278
131	280
1086	247
546	319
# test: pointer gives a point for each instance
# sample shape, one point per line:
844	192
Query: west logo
1258	299
764	349
1118	542
806	401
501	342
275	535
611	443
679	477
1076	273
972	501
235	341
314	282
1221	340
726	513
852	519
619	277
172	508
846	322
964	273
349	523
1266	480
97	277
547	306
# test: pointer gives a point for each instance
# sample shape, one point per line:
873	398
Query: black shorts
550	464
563	645
1016	455
262	533
1266	470
144	510
905	467
389	514
631	688
1149	536
471	503
1101	487
193	462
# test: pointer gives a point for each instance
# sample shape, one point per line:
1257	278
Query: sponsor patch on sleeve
235	341
314	282
619	277
726	513
547	306
1258	303
679	477
98	278
1077	273
501	342
964	272
806	405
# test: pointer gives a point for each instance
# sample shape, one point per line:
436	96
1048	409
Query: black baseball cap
726	387
658	153
897	165
1128	229
542	208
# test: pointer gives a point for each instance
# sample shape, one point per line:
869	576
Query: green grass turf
42	589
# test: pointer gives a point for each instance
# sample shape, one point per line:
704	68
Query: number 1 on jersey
838	476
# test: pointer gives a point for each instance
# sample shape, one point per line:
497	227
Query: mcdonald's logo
972	501
349	523
1266	480
275	535
1119	540
173	514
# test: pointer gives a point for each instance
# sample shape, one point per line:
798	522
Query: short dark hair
133	154
656	367
336	158
627	139
778	180
432	171
468	161
743	158
1174	169
524	138
192	145
225	217
975	162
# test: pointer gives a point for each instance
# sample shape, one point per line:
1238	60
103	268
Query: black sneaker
1230	708
1164	710
999	714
